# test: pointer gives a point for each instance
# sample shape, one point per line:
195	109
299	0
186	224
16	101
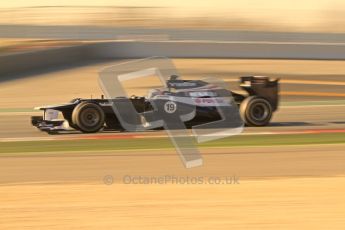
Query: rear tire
88	117
256	111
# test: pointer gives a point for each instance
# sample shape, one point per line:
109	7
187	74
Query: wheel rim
260	111
90	117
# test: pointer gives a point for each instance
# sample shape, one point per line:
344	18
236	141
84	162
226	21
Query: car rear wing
262	87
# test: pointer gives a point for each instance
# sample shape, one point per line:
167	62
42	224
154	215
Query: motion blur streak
291	173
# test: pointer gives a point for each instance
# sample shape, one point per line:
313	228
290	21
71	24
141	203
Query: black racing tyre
88	117
256	111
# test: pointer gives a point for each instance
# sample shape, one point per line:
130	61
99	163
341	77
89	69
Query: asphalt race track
17	126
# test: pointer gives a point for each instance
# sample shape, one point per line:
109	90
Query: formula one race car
92	115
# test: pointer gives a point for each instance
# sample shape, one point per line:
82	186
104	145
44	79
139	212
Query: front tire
88	117
256	111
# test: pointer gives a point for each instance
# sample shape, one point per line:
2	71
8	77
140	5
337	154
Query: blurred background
282	15
23	24
262	37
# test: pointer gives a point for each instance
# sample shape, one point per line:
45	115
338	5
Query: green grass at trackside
164	143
